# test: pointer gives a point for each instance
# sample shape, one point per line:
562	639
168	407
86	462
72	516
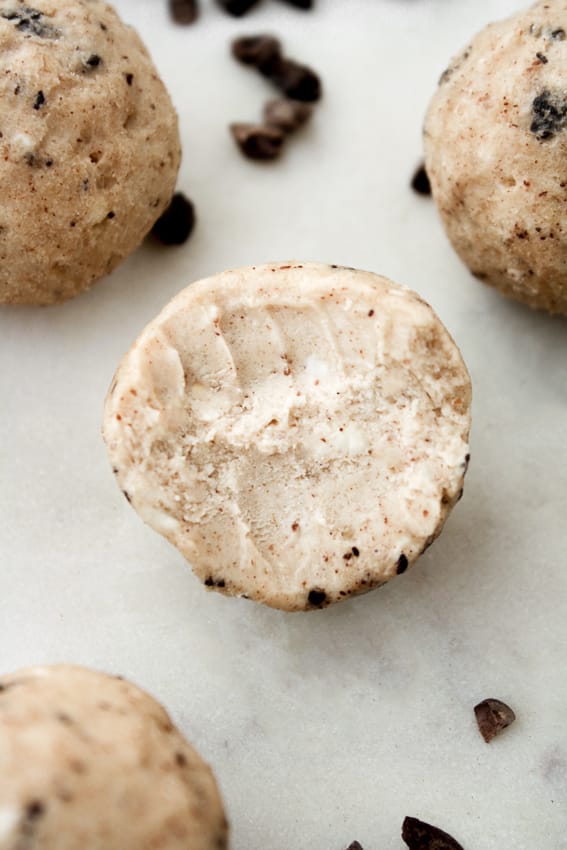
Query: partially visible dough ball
89	146
496	155
298	431
89	760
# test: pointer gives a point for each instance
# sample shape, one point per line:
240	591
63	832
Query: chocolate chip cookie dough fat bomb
89	146
91	761
298	431
496	155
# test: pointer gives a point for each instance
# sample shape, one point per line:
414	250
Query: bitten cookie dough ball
91	761
298	431
496	154
89	146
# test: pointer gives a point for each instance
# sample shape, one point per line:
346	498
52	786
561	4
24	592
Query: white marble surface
333	725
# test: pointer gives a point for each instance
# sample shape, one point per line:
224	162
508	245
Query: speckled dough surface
496	155
89	146
89	760
298	431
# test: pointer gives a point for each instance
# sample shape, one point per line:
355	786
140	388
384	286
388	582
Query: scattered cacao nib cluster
299	85
187	11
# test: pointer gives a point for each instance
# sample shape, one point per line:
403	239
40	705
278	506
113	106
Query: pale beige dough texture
89	146
298	431
496	155
89	761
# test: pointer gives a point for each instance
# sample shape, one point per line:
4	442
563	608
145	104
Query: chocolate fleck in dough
91	761
496	148
299	431
89	147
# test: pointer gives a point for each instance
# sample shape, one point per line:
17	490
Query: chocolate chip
35	810
29	21
354	846
129	78
184	11
111	214
402	564
256	50
422	836
355	551
287	114
209	582
221	583
296	81
257	141
492	717
420	181
300	4
543	59
558	34
317	597
347	556
549	114
39	100
237	8
127	496
176	224
94	61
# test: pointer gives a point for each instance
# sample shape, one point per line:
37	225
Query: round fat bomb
89	146
298	431
496	155
89	760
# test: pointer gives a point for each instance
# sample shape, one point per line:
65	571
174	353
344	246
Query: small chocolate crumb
180	759
184	11
35	810
492	717
256	50
237	8
370	313
422	836
543	59
317	597
176	224
94	61
402	564
129	78
300	4
420	181
296	81
257	141
39	100
347	556
287	114
127	496
295	526
209	582
558	34
111	214
355	551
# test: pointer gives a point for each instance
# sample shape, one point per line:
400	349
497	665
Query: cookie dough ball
91	761
496	148
89	147
298	431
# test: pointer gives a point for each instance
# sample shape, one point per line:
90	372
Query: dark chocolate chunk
300	4
355	551
287	114
543	59
317	597
492	717
237	8
256	50
549	114
422	836
176	224
402	564
209	582
420	181
558	34
93	61
296	81
257	141
354	846
39	100
29	21
129	78
184	11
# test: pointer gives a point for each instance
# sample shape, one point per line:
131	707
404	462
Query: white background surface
333	725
